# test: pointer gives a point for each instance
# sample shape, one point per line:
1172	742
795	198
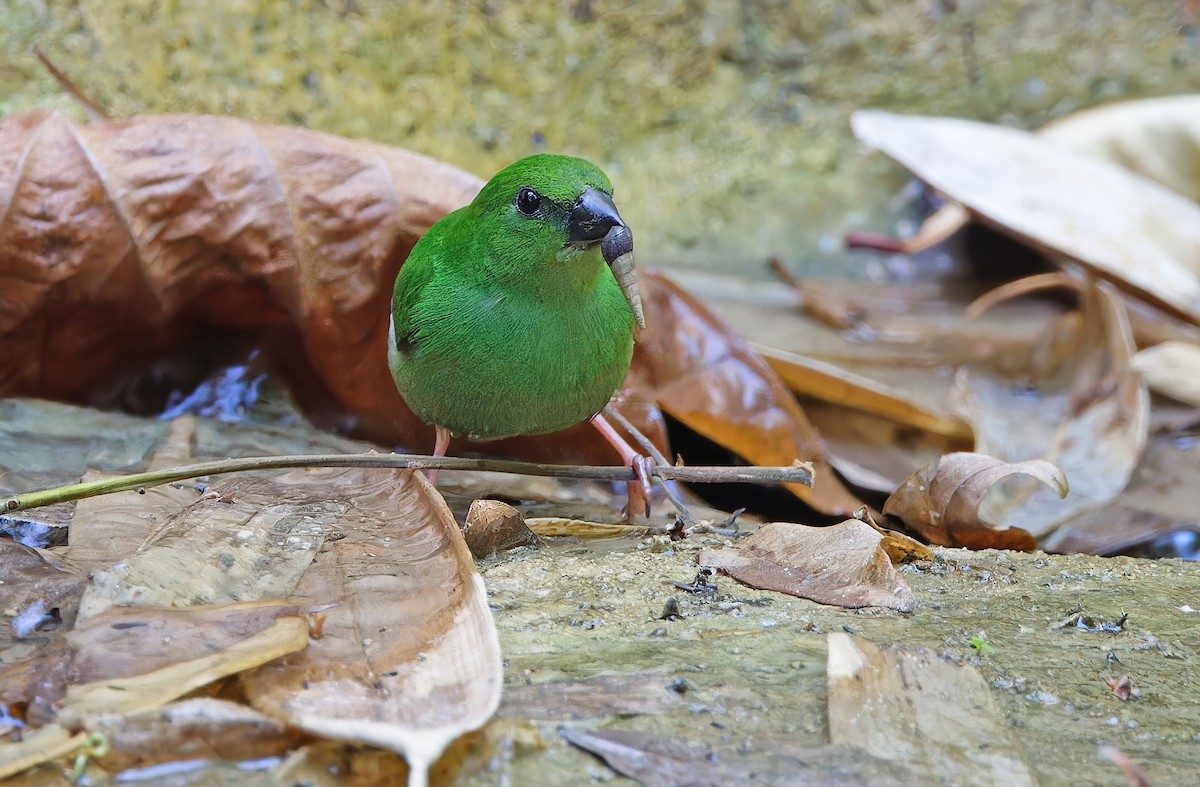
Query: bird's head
558	211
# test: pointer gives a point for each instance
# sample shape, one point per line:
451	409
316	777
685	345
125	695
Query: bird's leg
651	451
440	445
639	489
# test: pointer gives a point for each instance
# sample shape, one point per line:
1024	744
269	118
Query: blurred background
722	124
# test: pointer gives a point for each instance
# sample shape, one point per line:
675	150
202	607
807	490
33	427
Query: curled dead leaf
844	565
949	502
1079	405
695	368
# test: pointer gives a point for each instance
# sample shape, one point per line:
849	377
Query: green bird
516	315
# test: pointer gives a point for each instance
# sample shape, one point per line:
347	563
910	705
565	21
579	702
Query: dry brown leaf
252	539
46	744
409	660
1171	369
106	530
36	589
696	369
1124	227
845	565
117	234
1158	138
1089	417
135	659
197	728
922	711
120	240
949	502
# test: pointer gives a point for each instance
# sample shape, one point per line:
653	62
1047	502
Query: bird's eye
528	201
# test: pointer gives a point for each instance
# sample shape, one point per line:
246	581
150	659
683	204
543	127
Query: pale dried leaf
948	502
845	565
1158	138
108	529
197	728
37	746
1160	498
1172	369
409	660
1089	417
116	658
248	539
923	711
1121	225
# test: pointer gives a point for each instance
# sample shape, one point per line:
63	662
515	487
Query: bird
517	314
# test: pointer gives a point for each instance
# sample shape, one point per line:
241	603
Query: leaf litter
882	402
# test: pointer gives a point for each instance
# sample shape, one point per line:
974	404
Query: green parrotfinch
516	315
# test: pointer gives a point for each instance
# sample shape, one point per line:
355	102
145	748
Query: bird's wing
414	275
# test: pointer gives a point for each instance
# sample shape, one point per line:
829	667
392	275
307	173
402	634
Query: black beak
592	216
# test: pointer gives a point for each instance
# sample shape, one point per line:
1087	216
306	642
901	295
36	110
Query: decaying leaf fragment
844	565
920	710
948	503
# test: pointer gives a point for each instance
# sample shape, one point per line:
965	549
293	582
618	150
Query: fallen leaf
920	710
1158	138
1171	369
949	502
409	659
1159	500
844	565
696	369
139	658
1088	415
197	728
1126	228
37	746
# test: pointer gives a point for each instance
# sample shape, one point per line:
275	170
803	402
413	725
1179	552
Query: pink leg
639	490
440	444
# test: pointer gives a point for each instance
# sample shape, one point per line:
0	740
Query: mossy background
723	124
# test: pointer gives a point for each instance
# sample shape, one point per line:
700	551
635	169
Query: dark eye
528	201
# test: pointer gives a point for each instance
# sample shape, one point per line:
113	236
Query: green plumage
501	324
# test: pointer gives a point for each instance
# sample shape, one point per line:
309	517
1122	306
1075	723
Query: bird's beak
594	218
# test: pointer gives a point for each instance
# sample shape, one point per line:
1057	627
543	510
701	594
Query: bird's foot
638	490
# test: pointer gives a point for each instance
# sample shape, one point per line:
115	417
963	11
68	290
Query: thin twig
95	110
652	450
800	473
